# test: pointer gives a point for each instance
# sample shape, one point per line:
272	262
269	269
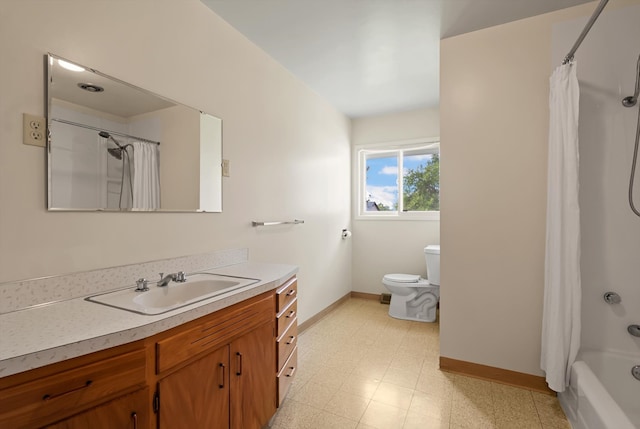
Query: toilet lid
403	278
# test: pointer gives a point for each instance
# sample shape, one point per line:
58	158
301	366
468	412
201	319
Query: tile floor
358	368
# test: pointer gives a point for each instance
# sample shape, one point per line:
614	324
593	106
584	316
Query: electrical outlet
225	168
33	130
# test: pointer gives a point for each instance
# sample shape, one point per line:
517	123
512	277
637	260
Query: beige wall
179	157
494	125
289	149
392	246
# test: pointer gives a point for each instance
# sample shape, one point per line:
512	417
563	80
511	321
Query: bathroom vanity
230	368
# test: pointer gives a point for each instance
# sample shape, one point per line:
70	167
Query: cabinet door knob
291	340
291	292
134	419
291	314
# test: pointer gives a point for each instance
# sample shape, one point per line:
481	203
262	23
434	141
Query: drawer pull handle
239	359
293	371
291	314
134	419
291	292
48	397
292	340
221	381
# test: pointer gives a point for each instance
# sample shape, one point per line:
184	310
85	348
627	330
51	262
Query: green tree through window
422	186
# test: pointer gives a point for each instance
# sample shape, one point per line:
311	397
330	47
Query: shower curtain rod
569	57
114	133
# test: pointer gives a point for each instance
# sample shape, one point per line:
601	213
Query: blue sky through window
382	176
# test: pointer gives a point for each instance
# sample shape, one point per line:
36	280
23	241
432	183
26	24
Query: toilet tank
432	256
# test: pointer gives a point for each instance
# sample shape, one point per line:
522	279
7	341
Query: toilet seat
405	280
402	278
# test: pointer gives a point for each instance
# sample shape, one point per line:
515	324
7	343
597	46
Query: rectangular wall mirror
115	147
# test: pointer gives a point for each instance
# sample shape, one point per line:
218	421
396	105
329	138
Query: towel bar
289	222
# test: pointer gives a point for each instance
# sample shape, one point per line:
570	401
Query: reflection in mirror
116	147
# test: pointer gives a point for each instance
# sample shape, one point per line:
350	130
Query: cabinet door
127	412
253	379
197	396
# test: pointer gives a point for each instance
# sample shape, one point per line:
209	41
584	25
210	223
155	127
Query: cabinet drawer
56	396
287	342
285	377
215	331
287	293
287	316
131	411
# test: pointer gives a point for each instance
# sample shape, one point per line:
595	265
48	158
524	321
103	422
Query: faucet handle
142	285
161	275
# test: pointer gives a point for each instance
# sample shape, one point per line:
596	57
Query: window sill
403	216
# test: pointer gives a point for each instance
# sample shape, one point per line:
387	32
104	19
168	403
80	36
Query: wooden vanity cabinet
215	372
87	385
287	336
198	394
218	372
253	386
127	412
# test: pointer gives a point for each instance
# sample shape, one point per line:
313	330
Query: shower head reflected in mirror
633	99
114	152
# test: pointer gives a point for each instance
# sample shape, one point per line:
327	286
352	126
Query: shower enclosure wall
610	232
84	174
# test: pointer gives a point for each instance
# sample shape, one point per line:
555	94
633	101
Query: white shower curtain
562	294
146	176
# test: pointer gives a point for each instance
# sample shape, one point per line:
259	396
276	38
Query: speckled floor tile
402	377
394	395
383	416
360	368
417	421
347	405
315	395
327	420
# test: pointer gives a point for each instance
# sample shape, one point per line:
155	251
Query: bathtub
602	394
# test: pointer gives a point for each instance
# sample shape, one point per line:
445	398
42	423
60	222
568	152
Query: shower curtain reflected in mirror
146	176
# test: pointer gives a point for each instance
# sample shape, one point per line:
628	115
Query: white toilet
412	297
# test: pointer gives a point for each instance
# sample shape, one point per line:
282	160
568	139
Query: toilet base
420	308
414	319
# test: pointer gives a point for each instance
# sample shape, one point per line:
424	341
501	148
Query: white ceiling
369	57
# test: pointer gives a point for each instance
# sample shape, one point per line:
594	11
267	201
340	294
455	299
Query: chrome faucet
179	277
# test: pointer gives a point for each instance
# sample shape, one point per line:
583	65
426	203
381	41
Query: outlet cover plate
33	130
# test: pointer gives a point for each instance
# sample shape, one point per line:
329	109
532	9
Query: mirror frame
216	171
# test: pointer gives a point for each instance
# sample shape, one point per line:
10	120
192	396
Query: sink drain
635	371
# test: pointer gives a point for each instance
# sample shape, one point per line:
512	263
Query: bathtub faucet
178	277
612	298
634	330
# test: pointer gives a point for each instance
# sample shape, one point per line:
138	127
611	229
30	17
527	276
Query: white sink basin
158	300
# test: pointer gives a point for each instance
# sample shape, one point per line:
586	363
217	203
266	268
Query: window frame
360	173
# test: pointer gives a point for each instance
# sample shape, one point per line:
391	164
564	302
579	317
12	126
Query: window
399	181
